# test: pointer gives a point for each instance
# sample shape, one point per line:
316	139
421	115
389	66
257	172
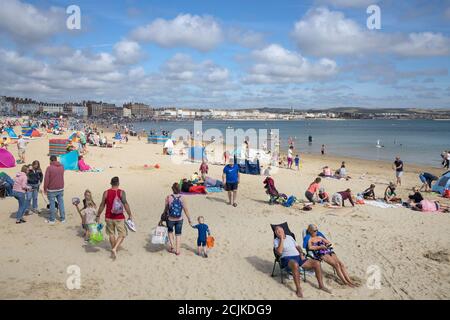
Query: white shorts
398	174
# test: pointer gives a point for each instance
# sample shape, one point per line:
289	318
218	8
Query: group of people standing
27	186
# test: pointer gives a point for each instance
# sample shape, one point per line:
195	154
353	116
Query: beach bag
210	242
159	235
447	193
117	206
96	235
289	202
176	208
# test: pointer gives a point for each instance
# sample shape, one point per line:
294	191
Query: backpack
176	208
117	206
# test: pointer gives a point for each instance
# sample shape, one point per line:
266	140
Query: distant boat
229	127
379	145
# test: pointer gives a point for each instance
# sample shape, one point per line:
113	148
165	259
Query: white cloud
182	68
200	32
275	64
348	3
324	32
80	62
25	23
422	45
127	52
245	38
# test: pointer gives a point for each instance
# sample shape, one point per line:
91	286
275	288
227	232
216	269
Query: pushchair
274	195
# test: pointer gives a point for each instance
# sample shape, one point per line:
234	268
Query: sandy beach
411	249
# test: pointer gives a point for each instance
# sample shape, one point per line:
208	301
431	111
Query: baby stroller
275	196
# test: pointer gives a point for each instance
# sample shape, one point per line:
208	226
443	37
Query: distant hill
358	110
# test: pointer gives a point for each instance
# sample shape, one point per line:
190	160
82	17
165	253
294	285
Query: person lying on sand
389	194
326	172
415	197
188	186
323	251
292	258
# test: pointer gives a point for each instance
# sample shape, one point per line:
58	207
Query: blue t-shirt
231	173
202	231
297	160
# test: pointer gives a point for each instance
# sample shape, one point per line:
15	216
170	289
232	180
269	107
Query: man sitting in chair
292	258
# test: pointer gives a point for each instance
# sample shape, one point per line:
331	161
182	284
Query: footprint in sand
439	256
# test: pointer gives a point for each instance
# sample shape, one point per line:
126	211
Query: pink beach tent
6	159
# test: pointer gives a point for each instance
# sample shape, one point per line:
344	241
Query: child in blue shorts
297	162
203	231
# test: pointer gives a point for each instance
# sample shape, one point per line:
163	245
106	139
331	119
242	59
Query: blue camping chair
277	257
306	237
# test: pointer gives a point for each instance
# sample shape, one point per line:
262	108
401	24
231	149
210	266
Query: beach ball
157	166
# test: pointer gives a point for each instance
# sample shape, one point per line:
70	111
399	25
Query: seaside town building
27	106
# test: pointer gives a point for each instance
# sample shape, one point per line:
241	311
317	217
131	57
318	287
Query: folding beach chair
277	257
309	253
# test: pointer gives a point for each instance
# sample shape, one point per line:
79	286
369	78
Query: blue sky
209	53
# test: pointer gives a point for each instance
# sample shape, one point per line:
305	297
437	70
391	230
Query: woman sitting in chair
323	251
292	258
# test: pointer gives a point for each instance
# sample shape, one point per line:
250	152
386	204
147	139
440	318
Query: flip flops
130	224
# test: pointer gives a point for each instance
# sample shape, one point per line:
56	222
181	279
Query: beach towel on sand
382	204
214	189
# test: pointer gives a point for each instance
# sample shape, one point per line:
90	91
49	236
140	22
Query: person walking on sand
54	189
230	178
175	205
398	167
115	201
322	150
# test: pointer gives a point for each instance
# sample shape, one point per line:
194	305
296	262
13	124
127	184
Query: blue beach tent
442	184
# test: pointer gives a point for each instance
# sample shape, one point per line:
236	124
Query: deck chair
277	257
275	196
309	253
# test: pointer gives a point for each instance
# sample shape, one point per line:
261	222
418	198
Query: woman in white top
292	258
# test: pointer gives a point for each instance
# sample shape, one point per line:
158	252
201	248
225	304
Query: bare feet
325	289
299	293
113	253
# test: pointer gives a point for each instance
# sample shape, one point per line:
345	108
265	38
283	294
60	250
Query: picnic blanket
382	204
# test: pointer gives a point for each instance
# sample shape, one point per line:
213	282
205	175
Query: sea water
415	141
